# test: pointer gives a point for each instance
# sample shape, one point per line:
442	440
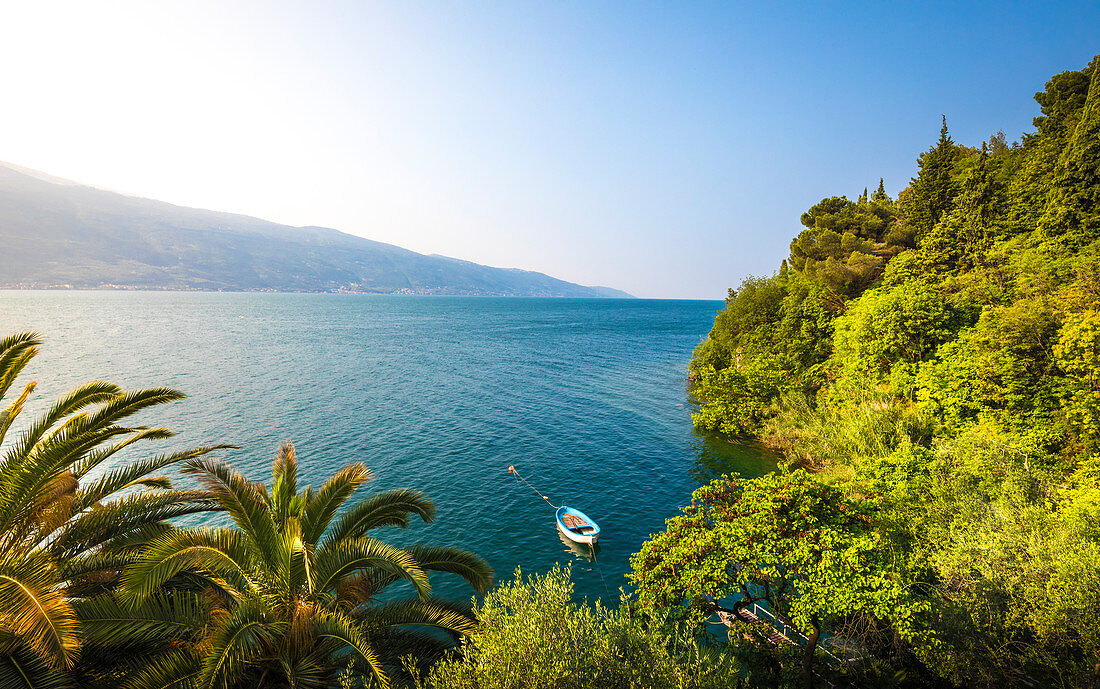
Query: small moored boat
576	525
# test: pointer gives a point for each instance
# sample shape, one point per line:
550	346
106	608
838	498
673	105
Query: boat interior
576	524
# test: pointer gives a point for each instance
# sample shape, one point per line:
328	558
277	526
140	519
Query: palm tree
68	526
294	589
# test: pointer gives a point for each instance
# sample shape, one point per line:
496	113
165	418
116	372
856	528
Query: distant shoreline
399	293
195	290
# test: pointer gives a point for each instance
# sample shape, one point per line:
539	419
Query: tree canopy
805	549
938	356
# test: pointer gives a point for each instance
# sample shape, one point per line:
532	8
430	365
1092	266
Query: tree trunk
808	658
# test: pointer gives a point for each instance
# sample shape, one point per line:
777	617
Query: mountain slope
54	233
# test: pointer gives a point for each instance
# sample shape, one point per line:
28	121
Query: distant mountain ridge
60	234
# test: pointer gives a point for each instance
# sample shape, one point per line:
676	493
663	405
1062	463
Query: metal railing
797	637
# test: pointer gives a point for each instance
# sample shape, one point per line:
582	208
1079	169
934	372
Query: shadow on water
581	551
586	554
717	455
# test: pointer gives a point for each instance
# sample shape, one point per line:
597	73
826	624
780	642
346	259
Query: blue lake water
586	397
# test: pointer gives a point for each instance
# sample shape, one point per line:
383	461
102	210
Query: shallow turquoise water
586	397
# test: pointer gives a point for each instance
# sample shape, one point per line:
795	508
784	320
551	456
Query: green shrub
534	636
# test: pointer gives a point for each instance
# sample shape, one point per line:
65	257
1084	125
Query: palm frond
396	644
437	613
91	574
158	620
7	416
388	508
88	394
351	556
96	457
468	565
32	462
21	669
120	478
130	543
118	518
246	502
362	588
284	480
221	552
92	563
150	483
23	480
35	609
175	669
129	403
332	624
300	569
322	506
83	432
51	506
15	352
242	637
367	586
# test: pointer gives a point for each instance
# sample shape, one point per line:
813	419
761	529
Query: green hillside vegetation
935	358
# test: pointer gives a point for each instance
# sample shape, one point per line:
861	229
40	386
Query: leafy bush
885	328
534	636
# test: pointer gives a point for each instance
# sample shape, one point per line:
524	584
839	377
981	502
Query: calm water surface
586	397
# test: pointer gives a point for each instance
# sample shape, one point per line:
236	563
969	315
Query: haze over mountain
55	233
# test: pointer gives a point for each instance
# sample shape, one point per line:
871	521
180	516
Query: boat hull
588	533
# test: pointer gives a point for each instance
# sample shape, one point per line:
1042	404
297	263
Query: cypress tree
880	193
932	192
981	198
961	238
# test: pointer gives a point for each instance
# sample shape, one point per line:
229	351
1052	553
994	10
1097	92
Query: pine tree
880	193
932	192
962	237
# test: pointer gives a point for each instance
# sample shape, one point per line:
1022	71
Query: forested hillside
937	356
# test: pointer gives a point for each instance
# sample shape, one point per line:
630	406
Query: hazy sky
667	149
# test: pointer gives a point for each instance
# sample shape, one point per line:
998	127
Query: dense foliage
937	357
534	635
800	547
68	527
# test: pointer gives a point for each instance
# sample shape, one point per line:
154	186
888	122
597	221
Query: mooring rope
512	470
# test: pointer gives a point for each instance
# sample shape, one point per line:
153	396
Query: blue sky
667	149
